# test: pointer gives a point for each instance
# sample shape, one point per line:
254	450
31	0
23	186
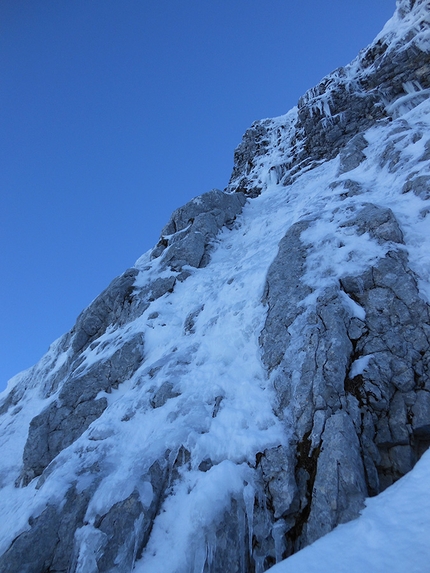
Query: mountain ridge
242	390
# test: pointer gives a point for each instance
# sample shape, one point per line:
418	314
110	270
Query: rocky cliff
249	382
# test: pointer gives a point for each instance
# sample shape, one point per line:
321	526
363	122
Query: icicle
199	558
210	547
137	537
249	499
241	522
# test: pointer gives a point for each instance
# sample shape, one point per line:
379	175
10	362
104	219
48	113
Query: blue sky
115	112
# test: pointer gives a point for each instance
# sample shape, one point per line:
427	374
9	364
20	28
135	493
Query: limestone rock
186	237
67	418
48	545
94	320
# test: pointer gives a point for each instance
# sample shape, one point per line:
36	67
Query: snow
197	500
397	28
354	308
359	365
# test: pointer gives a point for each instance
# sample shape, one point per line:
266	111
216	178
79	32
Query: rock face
241	390
360	377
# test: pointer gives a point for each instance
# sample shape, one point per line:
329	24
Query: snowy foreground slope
264	373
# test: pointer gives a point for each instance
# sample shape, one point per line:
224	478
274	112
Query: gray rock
53	541
339	489
48	544
12	399
283	291
188	251
351	432
426	155
419	185
277	470
338	109
255	142
190	321
398	420
361	423
122	527
356	328
379	222
186	238
421	413
161	286
165	392
352	154
66	419
352	187
402	461
54	430
405	6
104	310
341	454
396	325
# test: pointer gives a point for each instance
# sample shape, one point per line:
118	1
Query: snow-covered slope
250	382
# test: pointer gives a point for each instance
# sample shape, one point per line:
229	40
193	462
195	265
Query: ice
137	530
407	102
412	87
199	500
87	538
249	499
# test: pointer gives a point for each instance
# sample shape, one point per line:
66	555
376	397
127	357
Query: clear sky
115	112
